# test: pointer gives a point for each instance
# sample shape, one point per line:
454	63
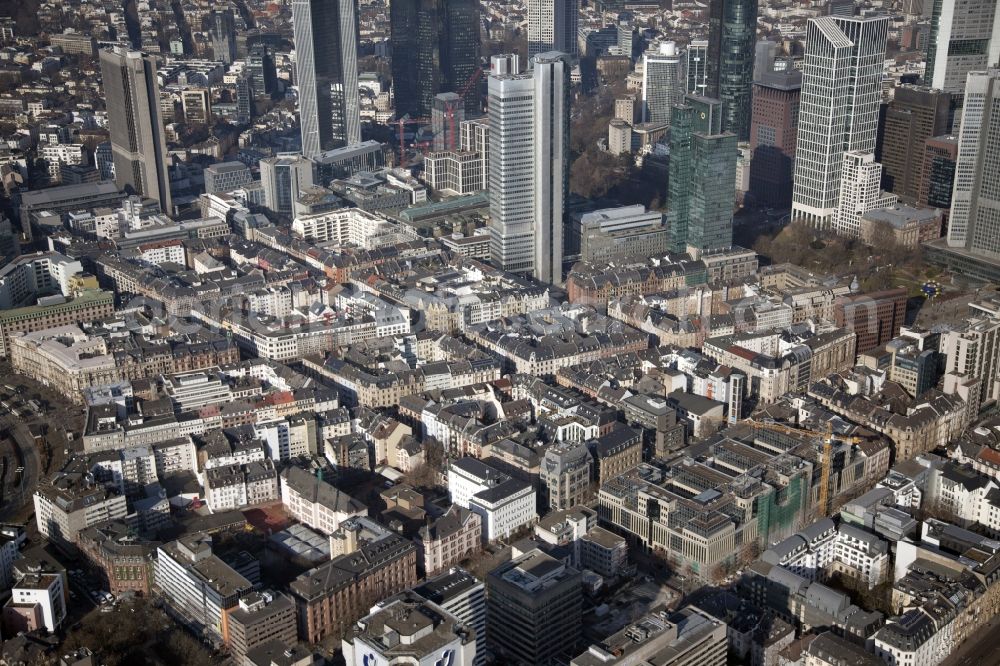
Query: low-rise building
199	586
449	539
409	629
689	637
259	618
505	503
123	561
315	502
369	564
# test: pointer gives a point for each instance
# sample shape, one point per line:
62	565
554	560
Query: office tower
326	69
464	596
282	178
223	32
860	179
132	96
938	172
915	115
974	223
460	53
435	44
245	106
661	83
763	60
261	70
447	116
696	67
965	37
197	105
731	42
702	165
528	169
839	107
533	609
626	34
772	137
511	163
553	26
843	8
551	156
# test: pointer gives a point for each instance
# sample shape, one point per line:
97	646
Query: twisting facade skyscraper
732	41
326	69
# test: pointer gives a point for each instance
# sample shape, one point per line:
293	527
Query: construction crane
449	111
826	460
402	122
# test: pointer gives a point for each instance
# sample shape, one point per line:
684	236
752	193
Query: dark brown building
915	115
122	562
260	617
376	564
773	127
874	318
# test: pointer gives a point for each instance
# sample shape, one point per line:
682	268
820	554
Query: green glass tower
701	189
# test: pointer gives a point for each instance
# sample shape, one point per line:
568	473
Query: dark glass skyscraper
326	69
731	44
435	48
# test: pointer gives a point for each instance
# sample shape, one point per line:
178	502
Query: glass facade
435	47
731	48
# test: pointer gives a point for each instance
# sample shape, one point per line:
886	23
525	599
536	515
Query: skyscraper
528	164
533	609
696	67
553	26
661	83
261	70
731	45
511	165
223	32
965	37
702	167
937	178
765	51
974	223
282	178
551	154
914	115
132	96
772	137
326	69
838	111
447	116
435	46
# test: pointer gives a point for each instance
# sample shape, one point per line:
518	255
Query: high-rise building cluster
342	332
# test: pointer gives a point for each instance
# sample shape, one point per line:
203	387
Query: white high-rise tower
838	111
662	87
528	165
551	152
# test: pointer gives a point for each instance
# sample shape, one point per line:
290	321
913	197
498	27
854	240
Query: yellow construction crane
826	461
